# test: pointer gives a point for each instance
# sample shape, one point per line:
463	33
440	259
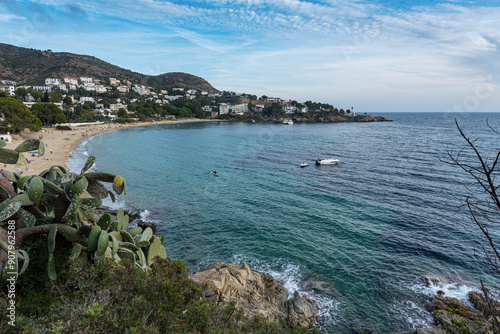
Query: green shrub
122	298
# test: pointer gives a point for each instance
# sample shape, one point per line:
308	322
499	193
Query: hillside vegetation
31	67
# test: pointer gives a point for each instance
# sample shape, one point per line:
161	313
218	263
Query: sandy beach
60	144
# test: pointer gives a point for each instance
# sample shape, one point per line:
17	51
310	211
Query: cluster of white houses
95	85
124	86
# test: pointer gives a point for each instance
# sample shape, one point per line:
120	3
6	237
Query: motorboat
320	162
304	164
287	122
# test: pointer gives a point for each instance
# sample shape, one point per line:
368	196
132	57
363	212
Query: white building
240	109
9	89
52	82
191	91
117	106
224	108
8	82
100	89
172	98
141	89
84	99
71	81
123	89
85	80
42	88
274	100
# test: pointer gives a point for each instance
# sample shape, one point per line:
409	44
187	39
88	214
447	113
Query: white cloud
10	17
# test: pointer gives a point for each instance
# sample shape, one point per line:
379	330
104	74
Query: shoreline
59	145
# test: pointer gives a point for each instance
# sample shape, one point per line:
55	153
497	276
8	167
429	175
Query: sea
371	239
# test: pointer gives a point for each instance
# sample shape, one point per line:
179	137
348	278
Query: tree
16	116
37	94
68	101
22	92
48	113
55	97
122	113
482	201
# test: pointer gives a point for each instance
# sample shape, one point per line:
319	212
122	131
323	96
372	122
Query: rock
455	306
254	292
454	315
479	301
301	311
430	331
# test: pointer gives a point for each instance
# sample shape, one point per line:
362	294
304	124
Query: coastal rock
254	292
454	315
477	299
440	303
430	331
301	311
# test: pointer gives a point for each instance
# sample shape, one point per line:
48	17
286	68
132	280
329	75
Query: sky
375	56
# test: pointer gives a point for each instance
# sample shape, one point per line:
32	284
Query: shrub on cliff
123	298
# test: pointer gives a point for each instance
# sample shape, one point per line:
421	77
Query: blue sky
373	55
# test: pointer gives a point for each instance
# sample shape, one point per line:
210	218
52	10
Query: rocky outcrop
457	317
430	331
254	292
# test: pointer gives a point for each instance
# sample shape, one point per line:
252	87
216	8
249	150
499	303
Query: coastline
59	145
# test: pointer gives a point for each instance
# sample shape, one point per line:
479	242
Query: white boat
327	162
287	122
304	164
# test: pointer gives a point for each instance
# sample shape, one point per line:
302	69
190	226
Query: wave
294	279
415	311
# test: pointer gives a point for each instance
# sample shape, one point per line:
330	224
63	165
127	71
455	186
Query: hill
31	67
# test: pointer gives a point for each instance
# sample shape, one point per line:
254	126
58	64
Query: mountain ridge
31	67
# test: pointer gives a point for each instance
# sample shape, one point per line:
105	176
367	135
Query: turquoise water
359	237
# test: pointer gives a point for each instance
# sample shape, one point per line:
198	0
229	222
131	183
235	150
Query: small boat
304	164
287	122
215	173
320	162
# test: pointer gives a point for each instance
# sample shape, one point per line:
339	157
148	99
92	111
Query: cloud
10	17
328	49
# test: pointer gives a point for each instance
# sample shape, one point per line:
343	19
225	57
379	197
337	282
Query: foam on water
415	313
455	290
293	280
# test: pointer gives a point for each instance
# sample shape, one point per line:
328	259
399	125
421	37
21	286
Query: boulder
454	306
457	317
479	301
430	331
254	292
301	311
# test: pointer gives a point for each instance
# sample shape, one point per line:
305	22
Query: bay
359	237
